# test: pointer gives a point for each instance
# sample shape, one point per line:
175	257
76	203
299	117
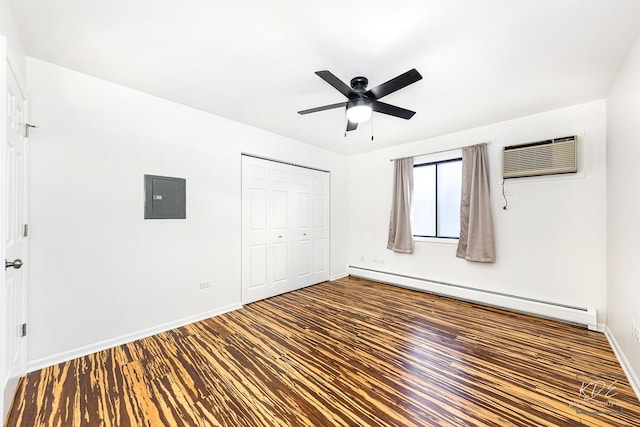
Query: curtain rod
440	151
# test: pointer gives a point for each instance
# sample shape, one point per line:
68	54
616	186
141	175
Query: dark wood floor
347	353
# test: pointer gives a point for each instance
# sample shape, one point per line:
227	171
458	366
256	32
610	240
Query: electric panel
164	197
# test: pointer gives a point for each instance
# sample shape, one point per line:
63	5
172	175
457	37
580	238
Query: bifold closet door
312	226
266	217
285	228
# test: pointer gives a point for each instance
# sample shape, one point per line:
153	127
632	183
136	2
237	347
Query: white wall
99	271
15	50
623	203
550	242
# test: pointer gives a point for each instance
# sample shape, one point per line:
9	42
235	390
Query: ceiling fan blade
325	107
351	126
394	84
342	87
392	110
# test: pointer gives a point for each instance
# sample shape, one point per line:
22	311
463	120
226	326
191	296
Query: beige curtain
400	234
477	242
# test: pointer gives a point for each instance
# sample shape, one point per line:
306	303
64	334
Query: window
436	199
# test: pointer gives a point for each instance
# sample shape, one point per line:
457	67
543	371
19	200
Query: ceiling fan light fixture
359	111
361	102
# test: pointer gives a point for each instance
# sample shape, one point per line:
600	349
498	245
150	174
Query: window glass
448	191
436	199
424	200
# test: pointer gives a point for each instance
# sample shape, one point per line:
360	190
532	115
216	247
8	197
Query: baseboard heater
579	316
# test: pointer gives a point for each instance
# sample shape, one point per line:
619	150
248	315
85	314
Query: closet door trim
255	156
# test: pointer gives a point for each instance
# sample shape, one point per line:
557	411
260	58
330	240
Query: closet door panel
303	254
280	228
255	230
257	266
303	257
320	229
280	210
280	259
320	260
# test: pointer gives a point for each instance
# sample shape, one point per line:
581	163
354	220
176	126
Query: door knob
17	263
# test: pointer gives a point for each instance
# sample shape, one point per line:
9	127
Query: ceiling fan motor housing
359	84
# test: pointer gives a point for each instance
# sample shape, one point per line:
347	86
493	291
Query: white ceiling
253	61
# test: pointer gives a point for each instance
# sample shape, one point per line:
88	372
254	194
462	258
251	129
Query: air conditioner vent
553	156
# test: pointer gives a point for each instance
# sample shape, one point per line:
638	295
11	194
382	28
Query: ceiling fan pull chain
372	126
346	119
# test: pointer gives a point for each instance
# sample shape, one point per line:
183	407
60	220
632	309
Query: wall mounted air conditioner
550	157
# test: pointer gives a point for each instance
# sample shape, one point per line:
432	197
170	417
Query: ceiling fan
361	102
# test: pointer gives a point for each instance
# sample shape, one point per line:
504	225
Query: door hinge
25	230
26	129
23	330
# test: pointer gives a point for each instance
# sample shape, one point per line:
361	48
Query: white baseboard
624	362
338	276
9	388
576	315
43	362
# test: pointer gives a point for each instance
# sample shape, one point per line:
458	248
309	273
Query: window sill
436	240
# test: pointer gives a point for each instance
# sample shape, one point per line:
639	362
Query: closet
285	228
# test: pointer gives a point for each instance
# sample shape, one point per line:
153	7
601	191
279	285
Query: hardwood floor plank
344	353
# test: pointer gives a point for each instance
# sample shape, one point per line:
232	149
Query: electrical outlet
635	330
205	284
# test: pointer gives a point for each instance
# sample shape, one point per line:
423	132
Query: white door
280	251
255	229
312	227
320	228
283	248
304	227
266	229
14	291
308	191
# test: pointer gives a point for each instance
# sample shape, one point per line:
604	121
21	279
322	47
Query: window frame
436	163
